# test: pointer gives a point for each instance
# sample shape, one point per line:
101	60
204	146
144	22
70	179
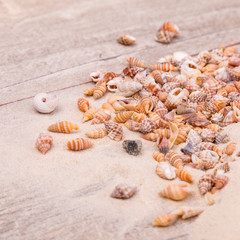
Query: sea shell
166	67
97	133
162	96
163	36
122	117
184	175
221	137
221	181
165	220
214	127
160	109
79	144
182	136
236	113
188	149
187	212
124	191
108	106
198	122
83	104
101	116
133	147
175	191
197	96
44	142
99	90
163	132
147	104
132	125
110	76
206	183
63	127
88	115
126	39
217	117
136	62
97	75
229	119
146	126
154	117
230	148
157	75
151	137
169	86
88	91
131	71
45	103
194	138
153	88
165	170
113	99
116	133
174	159
175	97
209	158
181	109
207	135
118	106
158	156
163	144
225	167
174	133
166	32
235	73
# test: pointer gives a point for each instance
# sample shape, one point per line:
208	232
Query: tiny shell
83	104
122	117
207	135
165	220
174	159
225	167
88	91
194	138
63	127
101	116
158	156
222	137
45	103
188	149
96	133
133	147
99	90
184	175
147	104
79	144
126	39
44	142
124	191
97	75
221	181
187	212
135	62
206	183
209	158
163	132
176	191
88	115
163	144
165	170
116	133
230	148
146	126
151	137
132	125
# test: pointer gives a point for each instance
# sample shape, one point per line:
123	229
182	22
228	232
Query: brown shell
88	91
101	116
230	148
44	142
126	39
146	126
163	144
124	191
116	133
206	183
207	135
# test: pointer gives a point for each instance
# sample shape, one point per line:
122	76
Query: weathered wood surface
48	45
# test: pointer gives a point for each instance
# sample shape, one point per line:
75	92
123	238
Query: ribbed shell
206	183
165	67
151	137
63	127
132	125
116	133
124	191
174	159
222	137
138	117
209	158
194	138
163	132
135	62
158	156
88	91
163	144
147	104
146	126
221	181
44	142
165	170
207	135
88	115
99	90
165	220
235	74
79	144
122	117
83	104
97	133
126	39
176	191
101	116
184	175
97	75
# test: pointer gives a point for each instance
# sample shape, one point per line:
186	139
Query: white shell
180	55
165	170
45	103
194	138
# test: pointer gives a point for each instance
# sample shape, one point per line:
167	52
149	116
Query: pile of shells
180	100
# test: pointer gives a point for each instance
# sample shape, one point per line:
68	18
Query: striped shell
175	191
96	133
182	136
166	67
209	158
184	175
126	39
170	27
101	116
79	144
131	71
122	117
124	191
163	36
197	96
222	137
132	125
163	132
135	62
230	148
146	126
174	159
151	137
99	90
194	138
83	104
147	104
88	91
45	103
165	170
116	133
221	181
206	183
158	156
207	135
175	97
44	142
88	115
165	220
63	127
224	167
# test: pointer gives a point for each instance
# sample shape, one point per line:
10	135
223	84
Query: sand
65	195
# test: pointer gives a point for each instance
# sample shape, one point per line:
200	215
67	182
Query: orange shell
63	127
122	117
166	67
126	39
83	104
182	136
44	142
100	90
162	96
158	156
147	104
138	117
163	144
79	144
139	109
230	148
100	117
206	183
132	125
163	132
170	27
151	137
88	115
184	175
157	75
174	159
96	133
88	91
108	106
221	181
135	62
116	133
165	220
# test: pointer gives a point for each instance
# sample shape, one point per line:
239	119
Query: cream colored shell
45	103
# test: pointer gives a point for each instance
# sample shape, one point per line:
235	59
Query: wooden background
55	44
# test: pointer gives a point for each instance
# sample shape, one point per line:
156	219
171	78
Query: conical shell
124	191
176	191
163	144
230	148
188	149
79	144
170	27
151	137
147	104
174	159
221	181
138	117
116	133
206	183
63	127
207	135
184	175
122	117
135	62
235	73
45	103
165	220
97	133
158	156
83	104
163	132
99	90
108	106
146	126
88	115
222	137
101	116
187	212
88	91
194	138
132	125
44	142
165	170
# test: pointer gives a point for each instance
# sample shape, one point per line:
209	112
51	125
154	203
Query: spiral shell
126	39
176	191
194	138
174	159
83	104
221	181
163	132
207	135
99	90
124	191
135	62
175	97
221	137
132	125
79	144
44	142
97	75
166	67
188	149
184	175
146	126
88	115
63	127
209	158
88	91
131	71
151	137
147	104
165	170
214	127
116	132
224	167
235	74
182	136
45	103
163	144
96	133
197	96
158	156
122	117
165	220
101	116
206	183
230	148
108	106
